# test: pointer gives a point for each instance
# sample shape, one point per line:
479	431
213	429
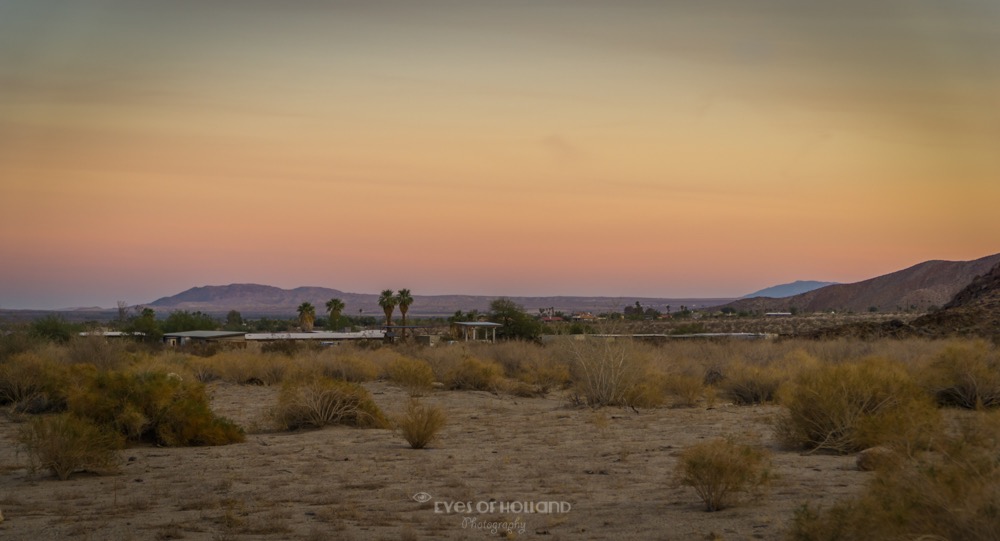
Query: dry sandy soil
612	467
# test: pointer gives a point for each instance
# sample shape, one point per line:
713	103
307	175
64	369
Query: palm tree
404	299
335	307
388	302
307	315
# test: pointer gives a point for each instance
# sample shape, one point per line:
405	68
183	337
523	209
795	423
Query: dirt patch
612	467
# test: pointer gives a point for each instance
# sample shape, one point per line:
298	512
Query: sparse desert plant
719	470
473	374
154	407
965	375
420	424
606	370
851	406
65	443
322	401
950	494
414	375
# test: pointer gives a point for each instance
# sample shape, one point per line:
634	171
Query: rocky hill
920	287
256	299
975	310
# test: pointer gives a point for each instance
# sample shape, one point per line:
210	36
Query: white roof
319	335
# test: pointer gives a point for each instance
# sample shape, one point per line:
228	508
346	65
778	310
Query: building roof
205	335
477	324
319	335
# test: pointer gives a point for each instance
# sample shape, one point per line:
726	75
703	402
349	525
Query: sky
550	147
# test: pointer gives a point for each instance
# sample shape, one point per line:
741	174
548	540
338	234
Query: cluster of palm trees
388	300
307	313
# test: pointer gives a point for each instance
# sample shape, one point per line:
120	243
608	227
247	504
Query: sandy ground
612	468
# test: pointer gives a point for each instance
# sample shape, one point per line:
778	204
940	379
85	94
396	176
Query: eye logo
422	497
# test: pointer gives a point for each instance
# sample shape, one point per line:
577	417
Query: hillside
975	310
787	290
920	287
256	299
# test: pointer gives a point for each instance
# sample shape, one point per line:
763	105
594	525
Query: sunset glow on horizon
566	147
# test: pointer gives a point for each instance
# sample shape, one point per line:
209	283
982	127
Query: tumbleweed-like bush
420	424
720	470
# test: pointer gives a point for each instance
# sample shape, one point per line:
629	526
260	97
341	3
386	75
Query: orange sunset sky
548	147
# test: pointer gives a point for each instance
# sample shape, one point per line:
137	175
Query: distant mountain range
787	290
256	299
920	287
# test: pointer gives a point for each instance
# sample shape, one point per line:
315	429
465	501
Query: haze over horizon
568	147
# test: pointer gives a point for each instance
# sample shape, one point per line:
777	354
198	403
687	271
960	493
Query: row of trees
388	300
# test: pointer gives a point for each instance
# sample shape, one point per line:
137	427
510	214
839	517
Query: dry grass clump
420	424
65	443
414	375
472	374
950	494
719	470
153	407
323	401
851	406
964	375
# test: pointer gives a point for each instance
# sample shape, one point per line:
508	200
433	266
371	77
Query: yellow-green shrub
544	374
322	401
65	443
964	376
473	374
745	383
851	406
33	384
420	424
607	370
950	494
719	470
153	407
413	375
351	368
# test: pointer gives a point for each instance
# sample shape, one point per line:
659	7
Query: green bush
153	407
65	443
719	470
851	406
420	424
964	376
324	401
